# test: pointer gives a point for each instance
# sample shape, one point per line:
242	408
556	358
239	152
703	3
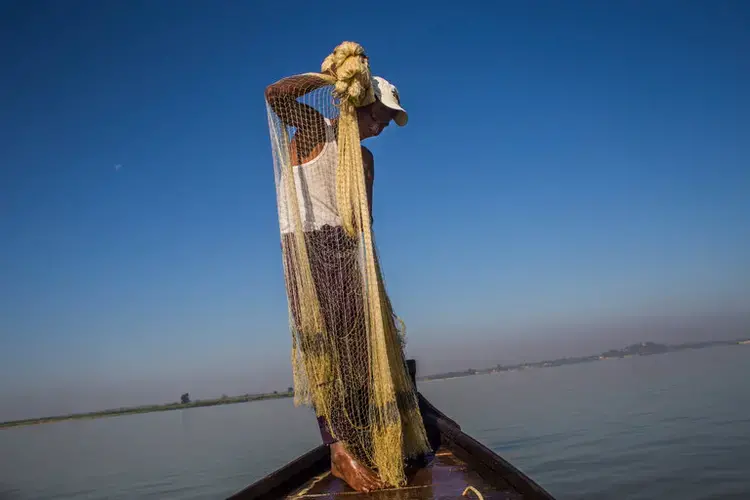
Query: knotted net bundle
347	350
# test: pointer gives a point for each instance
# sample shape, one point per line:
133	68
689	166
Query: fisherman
335	257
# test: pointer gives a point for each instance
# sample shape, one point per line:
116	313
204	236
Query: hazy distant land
181	405
642	349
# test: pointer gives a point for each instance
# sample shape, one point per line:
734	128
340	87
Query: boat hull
460	465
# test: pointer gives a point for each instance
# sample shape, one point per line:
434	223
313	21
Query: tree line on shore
184	402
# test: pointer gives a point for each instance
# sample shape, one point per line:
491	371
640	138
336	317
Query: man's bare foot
347	468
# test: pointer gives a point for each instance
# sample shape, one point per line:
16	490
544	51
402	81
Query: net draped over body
347	343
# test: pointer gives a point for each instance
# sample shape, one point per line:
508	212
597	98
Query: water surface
667	426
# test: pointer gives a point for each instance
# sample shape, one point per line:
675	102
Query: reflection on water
186	419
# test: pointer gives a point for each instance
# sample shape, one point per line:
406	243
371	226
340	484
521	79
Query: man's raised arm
282	98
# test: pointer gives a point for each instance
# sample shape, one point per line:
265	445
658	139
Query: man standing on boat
347	347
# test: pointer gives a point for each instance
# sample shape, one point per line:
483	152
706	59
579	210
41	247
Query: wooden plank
488	463
445	476
485	460
293	475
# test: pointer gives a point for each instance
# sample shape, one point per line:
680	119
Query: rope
306	489
471	488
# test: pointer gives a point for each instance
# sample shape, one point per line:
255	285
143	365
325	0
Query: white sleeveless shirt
315	182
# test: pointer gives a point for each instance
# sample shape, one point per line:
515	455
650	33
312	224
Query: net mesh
347	343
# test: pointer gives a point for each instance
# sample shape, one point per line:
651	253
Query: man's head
374	117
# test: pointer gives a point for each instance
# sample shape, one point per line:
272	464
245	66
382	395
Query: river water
673	426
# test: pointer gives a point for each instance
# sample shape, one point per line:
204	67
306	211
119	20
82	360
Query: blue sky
563	165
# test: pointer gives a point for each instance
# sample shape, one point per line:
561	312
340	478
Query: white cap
386	93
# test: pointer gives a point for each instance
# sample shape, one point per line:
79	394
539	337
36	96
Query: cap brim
401	117
388	101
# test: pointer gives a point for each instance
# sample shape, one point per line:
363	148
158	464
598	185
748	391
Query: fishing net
347	343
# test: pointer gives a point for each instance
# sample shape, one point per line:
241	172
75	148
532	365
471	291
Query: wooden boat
461	467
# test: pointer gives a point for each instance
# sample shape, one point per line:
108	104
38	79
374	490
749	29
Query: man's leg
338	283
323	284
325	431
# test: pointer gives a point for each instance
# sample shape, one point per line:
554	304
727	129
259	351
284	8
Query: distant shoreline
642	349
224	400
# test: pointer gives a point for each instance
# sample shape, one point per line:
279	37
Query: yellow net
347	350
